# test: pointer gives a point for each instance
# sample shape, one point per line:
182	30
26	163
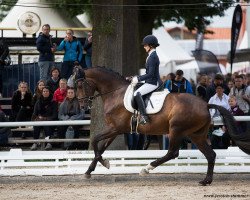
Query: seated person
45	110
38	91
53	81
4	131
21	103
70	110
61	92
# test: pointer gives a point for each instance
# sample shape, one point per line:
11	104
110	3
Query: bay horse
182	115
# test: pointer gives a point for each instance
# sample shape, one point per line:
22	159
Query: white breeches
146	88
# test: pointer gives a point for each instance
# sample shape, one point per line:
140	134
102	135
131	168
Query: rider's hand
134	80
129	78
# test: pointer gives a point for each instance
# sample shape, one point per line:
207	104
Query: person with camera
73	52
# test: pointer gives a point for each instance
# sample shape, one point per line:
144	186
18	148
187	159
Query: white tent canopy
169	50
47	15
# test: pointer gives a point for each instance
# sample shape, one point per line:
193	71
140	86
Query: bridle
89	99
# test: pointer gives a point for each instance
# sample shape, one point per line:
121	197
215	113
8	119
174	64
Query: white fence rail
18	162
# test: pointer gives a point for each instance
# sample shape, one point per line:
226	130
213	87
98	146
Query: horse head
85	88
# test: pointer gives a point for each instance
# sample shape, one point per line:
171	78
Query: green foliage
194	13
73	7
5	6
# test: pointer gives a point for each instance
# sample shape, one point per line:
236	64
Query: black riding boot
141	107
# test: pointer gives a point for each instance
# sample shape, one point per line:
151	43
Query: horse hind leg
203	146
173	152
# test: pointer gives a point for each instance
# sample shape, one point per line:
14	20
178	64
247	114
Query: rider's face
147	48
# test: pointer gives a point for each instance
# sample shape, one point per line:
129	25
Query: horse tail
242	140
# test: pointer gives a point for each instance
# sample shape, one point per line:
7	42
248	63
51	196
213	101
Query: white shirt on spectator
217	101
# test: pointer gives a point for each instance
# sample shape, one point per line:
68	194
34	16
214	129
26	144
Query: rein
89	99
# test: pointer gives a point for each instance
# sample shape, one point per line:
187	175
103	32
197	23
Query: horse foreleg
173	152
98	152
105	145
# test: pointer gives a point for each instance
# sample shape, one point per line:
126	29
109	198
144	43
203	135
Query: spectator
73	52
46	51
38	91
4	131
218	80
236	111
230	84
219	138
241	91
61	92
53	81
45	110
248	79
70	110
21	103
201	88
87	47
4	52
179	84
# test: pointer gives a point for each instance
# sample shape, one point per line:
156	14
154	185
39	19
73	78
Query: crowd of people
55	99
231	91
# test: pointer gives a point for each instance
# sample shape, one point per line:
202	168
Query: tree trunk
115	45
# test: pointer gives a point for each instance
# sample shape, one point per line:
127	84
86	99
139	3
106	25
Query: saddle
153	101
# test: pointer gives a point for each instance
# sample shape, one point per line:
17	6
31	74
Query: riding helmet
150	40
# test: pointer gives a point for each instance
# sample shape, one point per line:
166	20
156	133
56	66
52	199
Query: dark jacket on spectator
46	108
18	104
4	51
53	85
4	131
44	45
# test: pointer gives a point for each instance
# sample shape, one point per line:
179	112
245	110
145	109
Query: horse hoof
87	176
205	182
144	172
106	164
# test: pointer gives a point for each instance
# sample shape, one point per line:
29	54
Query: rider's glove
134	80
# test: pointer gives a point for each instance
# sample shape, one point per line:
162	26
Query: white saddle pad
157	100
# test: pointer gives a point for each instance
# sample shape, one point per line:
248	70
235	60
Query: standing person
219	138
4	52
241	92
46	51
218	80
151	78
201	88
73	52
88	50
53	81
179	84
45	110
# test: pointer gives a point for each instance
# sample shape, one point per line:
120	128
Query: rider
151	78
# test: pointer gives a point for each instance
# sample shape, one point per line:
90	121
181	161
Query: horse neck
107	83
